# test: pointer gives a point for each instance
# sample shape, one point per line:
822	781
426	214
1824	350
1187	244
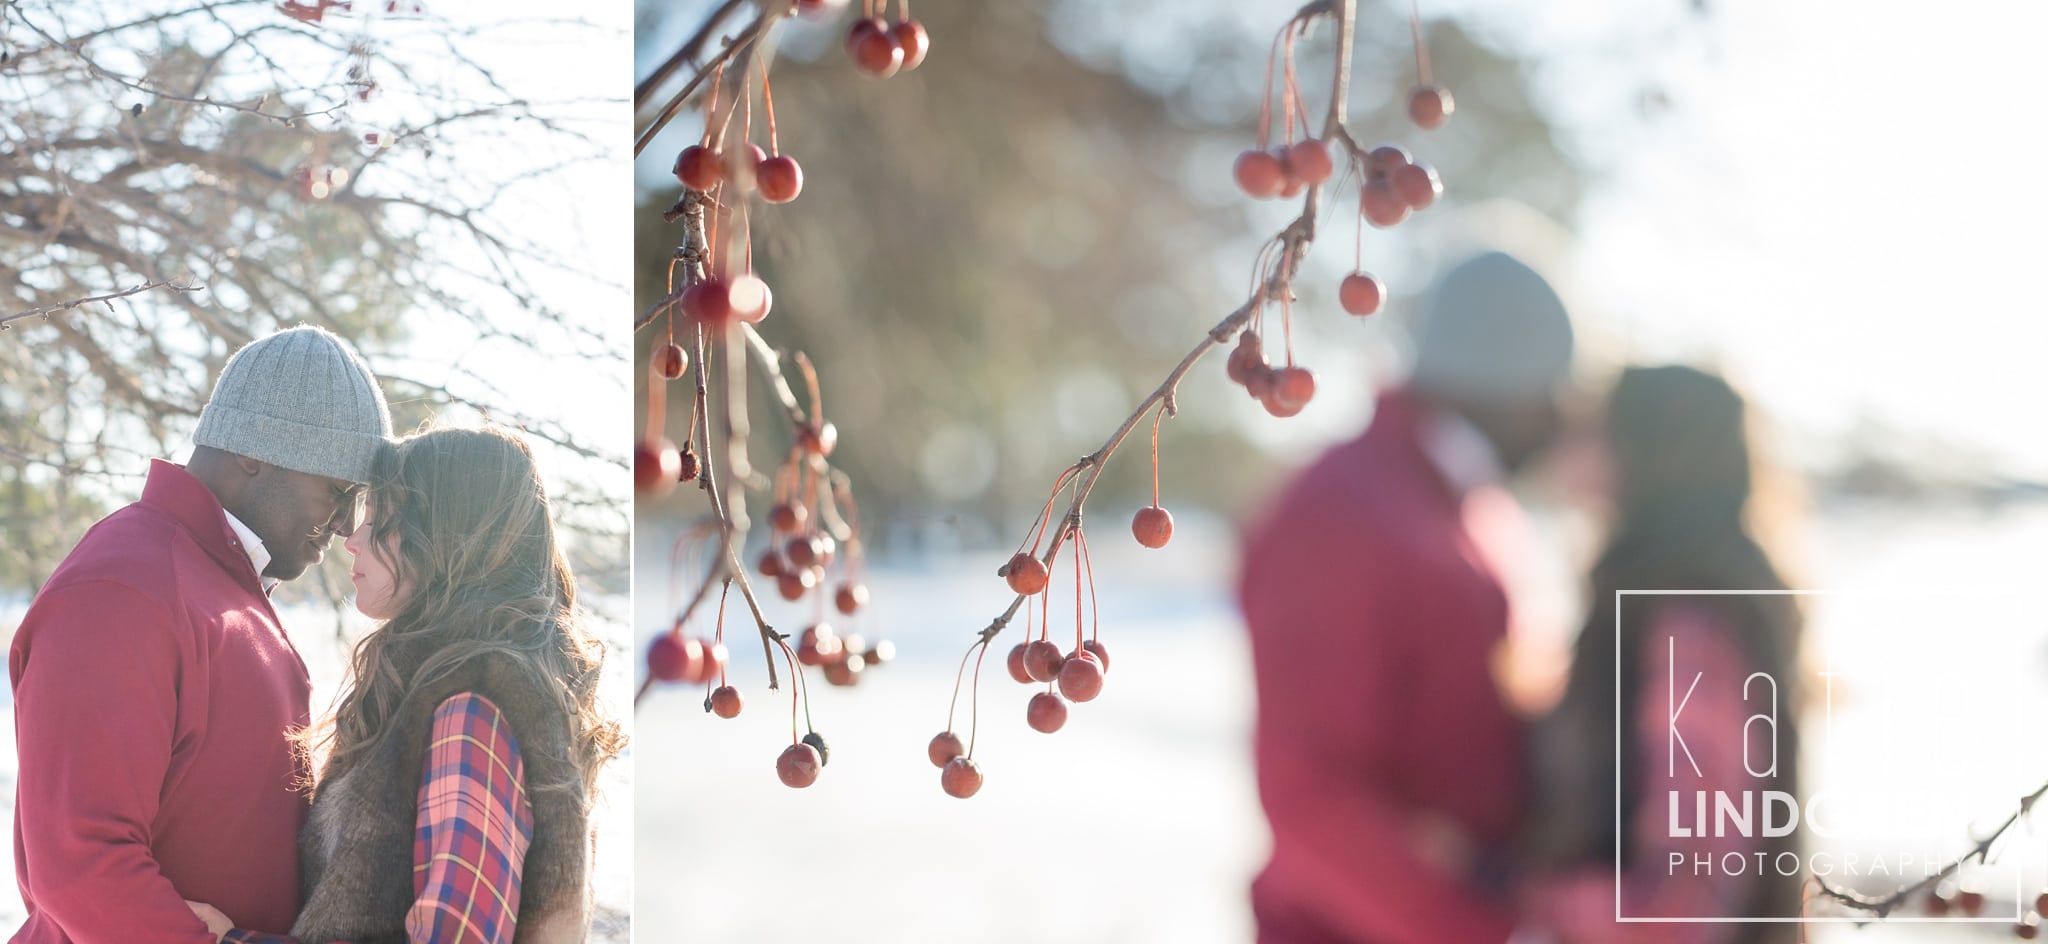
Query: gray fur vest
356	850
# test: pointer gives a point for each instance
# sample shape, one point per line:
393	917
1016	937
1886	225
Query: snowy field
1139	821
313	631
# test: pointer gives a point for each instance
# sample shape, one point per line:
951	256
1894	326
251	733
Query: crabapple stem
790	658
1156	417
740	46
974	702
803	366
768	102
953	706
1077	590
1094	609
1421	48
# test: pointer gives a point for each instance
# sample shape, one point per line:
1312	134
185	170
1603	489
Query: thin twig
1981	852
48	310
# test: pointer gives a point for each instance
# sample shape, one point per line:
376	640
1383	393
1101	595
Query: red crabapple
656	466
1015	663
850	598
1153	527
882	652
699	168
944	747
1276	406
740	165
709	664
771	563
1380	204
669	361
708	302
818	646
961	777
911	35
1042	661
1361	294
726	701
1046	713
787	516
1383	160
846	671
801	551
798	765
794	583
780	178
1026	574
875	50
1259	174
671	658
1309	162
1081	676
1294	385
1101	654
818	441
1430	106
1416	184
749	298
1259	382
1247	356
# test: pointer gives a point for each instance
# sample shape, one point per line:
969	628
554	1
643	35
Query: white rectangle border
2019	892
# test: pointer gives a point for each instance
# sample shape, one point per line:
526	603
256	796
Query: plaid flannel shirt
475	824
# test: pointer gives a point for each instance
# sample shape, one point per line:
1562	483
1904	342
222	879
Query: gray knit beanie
1494	329
300	399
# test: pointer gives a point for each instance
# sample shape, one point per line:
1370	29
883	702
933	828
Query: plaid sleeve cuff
475	824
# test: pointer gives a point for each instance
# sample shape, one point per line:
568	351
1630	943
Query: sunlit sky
1841	209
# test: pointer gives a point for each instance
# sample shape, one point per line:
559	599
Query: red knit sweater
1390	769
153	688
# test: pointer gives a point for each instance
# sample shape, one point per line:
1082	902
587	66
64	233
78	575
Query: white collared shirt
259	556
1461	453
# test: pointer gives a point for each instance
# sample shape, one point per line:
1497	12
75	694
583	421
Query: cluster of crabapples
881	49
1391	186
1948	899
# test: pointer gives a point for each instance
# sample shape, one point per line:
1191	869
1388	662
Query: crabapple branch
740	45
48	310
1294	240
1980	852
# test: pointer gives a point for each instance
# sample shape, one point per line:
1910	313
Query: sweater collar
175	492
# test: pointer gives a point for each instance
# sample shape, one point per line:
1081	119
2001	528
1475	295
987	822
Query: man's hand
215	921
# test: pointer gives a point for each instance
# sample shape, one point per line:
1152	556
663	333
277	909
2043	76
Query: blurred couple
1410	801
167	790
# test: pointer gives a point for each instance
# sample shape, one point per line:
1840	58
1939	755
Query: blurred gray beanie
300	399
1492	328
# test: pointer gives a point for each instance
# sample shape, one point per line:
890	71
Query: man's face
296	514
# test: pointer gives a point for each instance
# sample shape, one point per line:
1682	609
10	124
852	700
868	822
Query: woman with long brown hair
461	760
1664	684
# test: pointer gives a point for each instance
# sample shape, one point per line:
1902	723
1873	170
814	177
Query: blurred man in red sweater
1390	764
153	685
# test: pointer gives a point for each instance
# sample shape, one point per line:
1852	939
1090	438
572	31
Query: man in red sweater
154	688
1389	764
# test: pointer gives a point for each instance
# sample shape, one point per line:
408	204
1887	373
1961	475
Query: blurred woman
1682	484
454	802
